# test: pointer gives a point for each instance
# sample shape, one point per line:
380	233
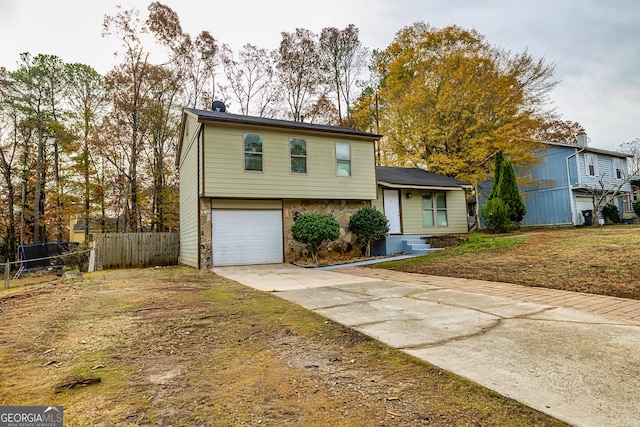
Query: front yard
599	260
176	346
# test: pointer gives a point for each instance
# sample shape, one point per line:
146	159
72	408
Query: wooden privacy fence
135	250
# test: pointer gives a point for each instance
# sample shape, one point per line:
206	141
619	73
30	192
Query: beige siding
189	196
412	214
225	175
378	203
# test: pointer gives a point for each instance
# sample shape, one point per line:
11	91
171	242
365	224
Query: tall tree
342	58
509	193
448	100
497	174
251	80
33	92
128	84
297	67
55	85
9	145
162	121
87	100
194	60
556	130
633	148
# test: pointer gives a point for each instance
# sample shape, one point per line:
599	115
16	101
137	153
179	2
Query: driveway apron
579	367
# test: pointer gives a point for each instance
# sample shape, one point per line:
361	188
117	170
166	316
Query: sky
594	45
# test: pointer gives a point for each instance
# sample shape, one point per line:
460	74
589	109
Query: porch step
415	246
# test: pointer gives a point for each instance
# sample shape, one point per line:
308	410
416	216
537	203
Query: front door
391	200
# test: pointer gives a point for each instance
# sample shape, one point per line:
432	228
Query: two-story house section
244	180
566	178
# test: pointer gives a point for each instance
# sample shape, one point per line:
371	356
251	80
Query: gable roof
223	117
396	177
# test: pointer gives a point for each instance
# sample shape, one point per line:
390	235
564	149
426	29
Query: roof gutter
421	187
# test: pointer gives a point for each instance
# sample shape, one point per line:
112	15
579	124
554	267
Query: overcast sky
593	44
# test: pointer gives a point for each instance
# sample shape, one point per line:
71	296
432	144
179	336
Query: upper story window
434	209
252	152
343	159
591	164
298	150
617	167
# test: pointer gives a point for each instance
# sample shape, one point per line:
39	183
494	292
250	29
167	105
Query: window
434	209
590	161
252	152
343	159
617	168
298	150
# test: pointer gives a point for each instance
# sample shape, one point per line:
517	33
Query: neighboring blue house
562	181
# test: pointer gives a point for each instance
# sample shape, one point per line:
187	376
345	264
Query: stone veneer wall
341	210
206	247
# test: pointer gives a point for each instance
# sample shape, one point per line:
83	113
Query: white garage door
244	237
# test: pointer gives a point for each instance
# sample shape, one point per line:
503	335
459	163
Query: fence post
7	267
92	260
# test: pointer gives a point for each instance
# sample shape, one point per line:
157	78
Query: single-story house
418	204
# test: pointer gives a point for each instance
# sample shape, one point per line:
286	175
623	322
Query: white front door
391	200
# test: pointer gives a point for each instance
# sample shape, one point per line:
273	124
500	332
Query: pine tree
507	190
497	171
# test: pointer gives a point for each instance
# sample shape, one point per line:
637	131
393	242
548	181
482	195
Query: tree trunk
56	159
11	229
87	190
37	196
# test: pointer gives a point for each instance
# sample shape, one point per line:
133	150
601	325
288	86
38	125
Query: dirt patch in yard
177	346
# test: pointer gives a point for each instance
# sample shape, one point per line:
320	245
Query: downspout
571	200
199	140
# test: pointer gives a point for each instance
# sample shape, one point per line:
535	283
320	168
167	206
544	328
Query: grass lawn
600	260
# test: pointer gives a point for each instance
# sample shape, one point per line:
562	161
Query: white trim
421	187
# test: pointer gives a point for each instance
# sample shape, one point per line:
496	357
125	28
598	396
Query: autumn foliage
102	148
446	100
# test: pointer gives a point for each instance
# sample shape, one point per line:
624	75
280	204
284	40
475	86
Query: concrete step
415	246
420	251
414	242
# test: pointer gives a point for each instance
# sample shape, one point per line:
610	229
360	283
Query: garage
245	237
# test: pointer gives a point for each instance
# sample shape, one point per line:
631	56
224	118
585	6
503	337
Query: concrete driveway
556	356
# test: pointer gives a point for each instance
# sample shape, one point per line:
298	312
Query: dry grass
183	347
599	260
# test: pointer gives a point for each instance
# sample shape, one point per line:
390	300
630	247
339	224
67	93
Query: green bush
636	207
611	213
495	216
313	230
369	224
